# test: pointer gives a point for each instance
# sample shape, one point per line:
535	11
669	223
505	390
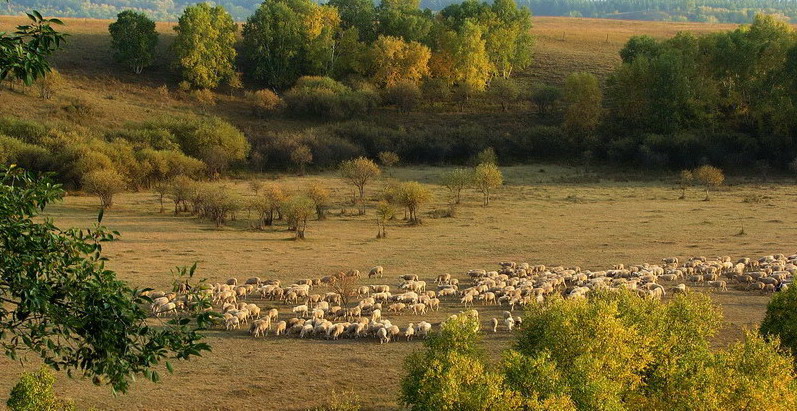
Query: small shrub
34	392
50	84
264	102
404	94
104	184
79	110
436	90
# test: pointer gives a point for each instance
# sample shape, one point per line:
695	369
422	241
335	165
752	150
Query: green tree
133	39
486	177
34	391
545	98
320	197
384	212
505	91
286	39
302	156
709	176
457	180
62	303
780	320
404	19
462	57
358	14
406	95
411	195
298	210
583	100
24	53
104	184
395	60
359	172
204	46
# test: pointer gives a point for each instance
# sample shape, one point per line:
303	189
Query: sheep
232	323
254	311
301	310
259	328
422	329
376	315
376	272
273	314
679	289
468	298
232	281
307	330
409	277
383	335
495	324
279	329
419	308
510	323
721	285
253	280
443	279
168	308
409	332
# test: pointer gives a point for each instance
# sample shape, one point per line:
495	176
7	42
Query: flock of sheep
315	314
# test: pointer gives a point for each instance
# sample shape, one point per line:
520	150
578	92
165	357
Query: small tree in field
320	196
345	285
411	195
181	189
457	180
359	172
104	184
133	39
709	176
50	83
486	177
486	156
505	91
34	391
685	181
384	212
161	188
405	95
302	156
298	210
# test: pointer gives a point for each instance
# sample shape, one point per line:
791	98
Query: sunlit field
544	214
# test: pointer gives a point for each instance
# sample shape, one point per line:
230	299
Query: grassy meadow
544	214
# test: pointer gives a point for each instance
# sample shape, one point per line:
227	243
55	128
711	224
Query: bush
34	392
79	111
50	84
328	99
546	98
404	94
26	130
264	102
436	90
505	91
27	156
780	320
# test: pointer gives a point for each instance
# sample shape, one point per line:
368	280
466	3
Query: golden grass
535	218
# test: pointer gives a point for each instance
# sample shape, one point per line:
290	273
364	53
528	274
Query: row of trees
465	44
612	350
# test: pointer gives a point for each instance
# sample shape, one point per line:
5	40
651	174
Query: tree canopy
133	39
204	47
61	303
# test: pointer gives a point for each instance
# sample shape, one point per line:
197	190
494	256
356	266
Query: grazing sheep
468	298
679	289
301	310
495	324
168	308
232	323
376	315
232	281
253	280
510	323
254	311
419	308
259	328
383	335
280	328
721	285
409	332
422	329
376	272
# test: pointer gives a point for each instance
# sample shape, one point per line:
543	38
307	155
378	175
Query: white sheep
409	332
495	324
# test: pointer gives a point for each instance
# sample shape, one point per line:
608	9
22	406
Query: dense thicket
732	11
727	98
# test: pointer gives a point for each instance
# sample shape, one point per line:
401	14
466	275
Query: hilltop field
544	214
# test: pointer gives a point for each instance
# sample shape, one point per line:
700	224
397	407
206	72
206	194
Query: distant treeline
724	11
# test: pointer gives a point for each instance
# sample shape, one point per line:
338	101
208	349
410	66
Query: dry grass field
543	214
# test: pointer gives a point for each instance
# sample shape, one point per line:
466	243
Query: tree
320	197
274	198
50	83
486	156
384	212
180	190
469	66
450	373
411	195
457	180
298	210
61	302
302	156
285	39
486	177
388	158
505	91
583	99
404	19
358	172
709	176
204	46
545	98
161	188
34	391
104	184
780	320
344	285
24	54
684	181
264	102
395	60
358	14
133	39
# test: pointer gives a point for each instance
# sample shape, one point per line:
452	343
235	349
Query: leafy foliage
62	304
24	53
133	39
780	320
204	47
34	391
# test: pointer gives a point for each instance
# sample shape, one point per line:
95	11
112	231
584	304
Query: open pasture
544	214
